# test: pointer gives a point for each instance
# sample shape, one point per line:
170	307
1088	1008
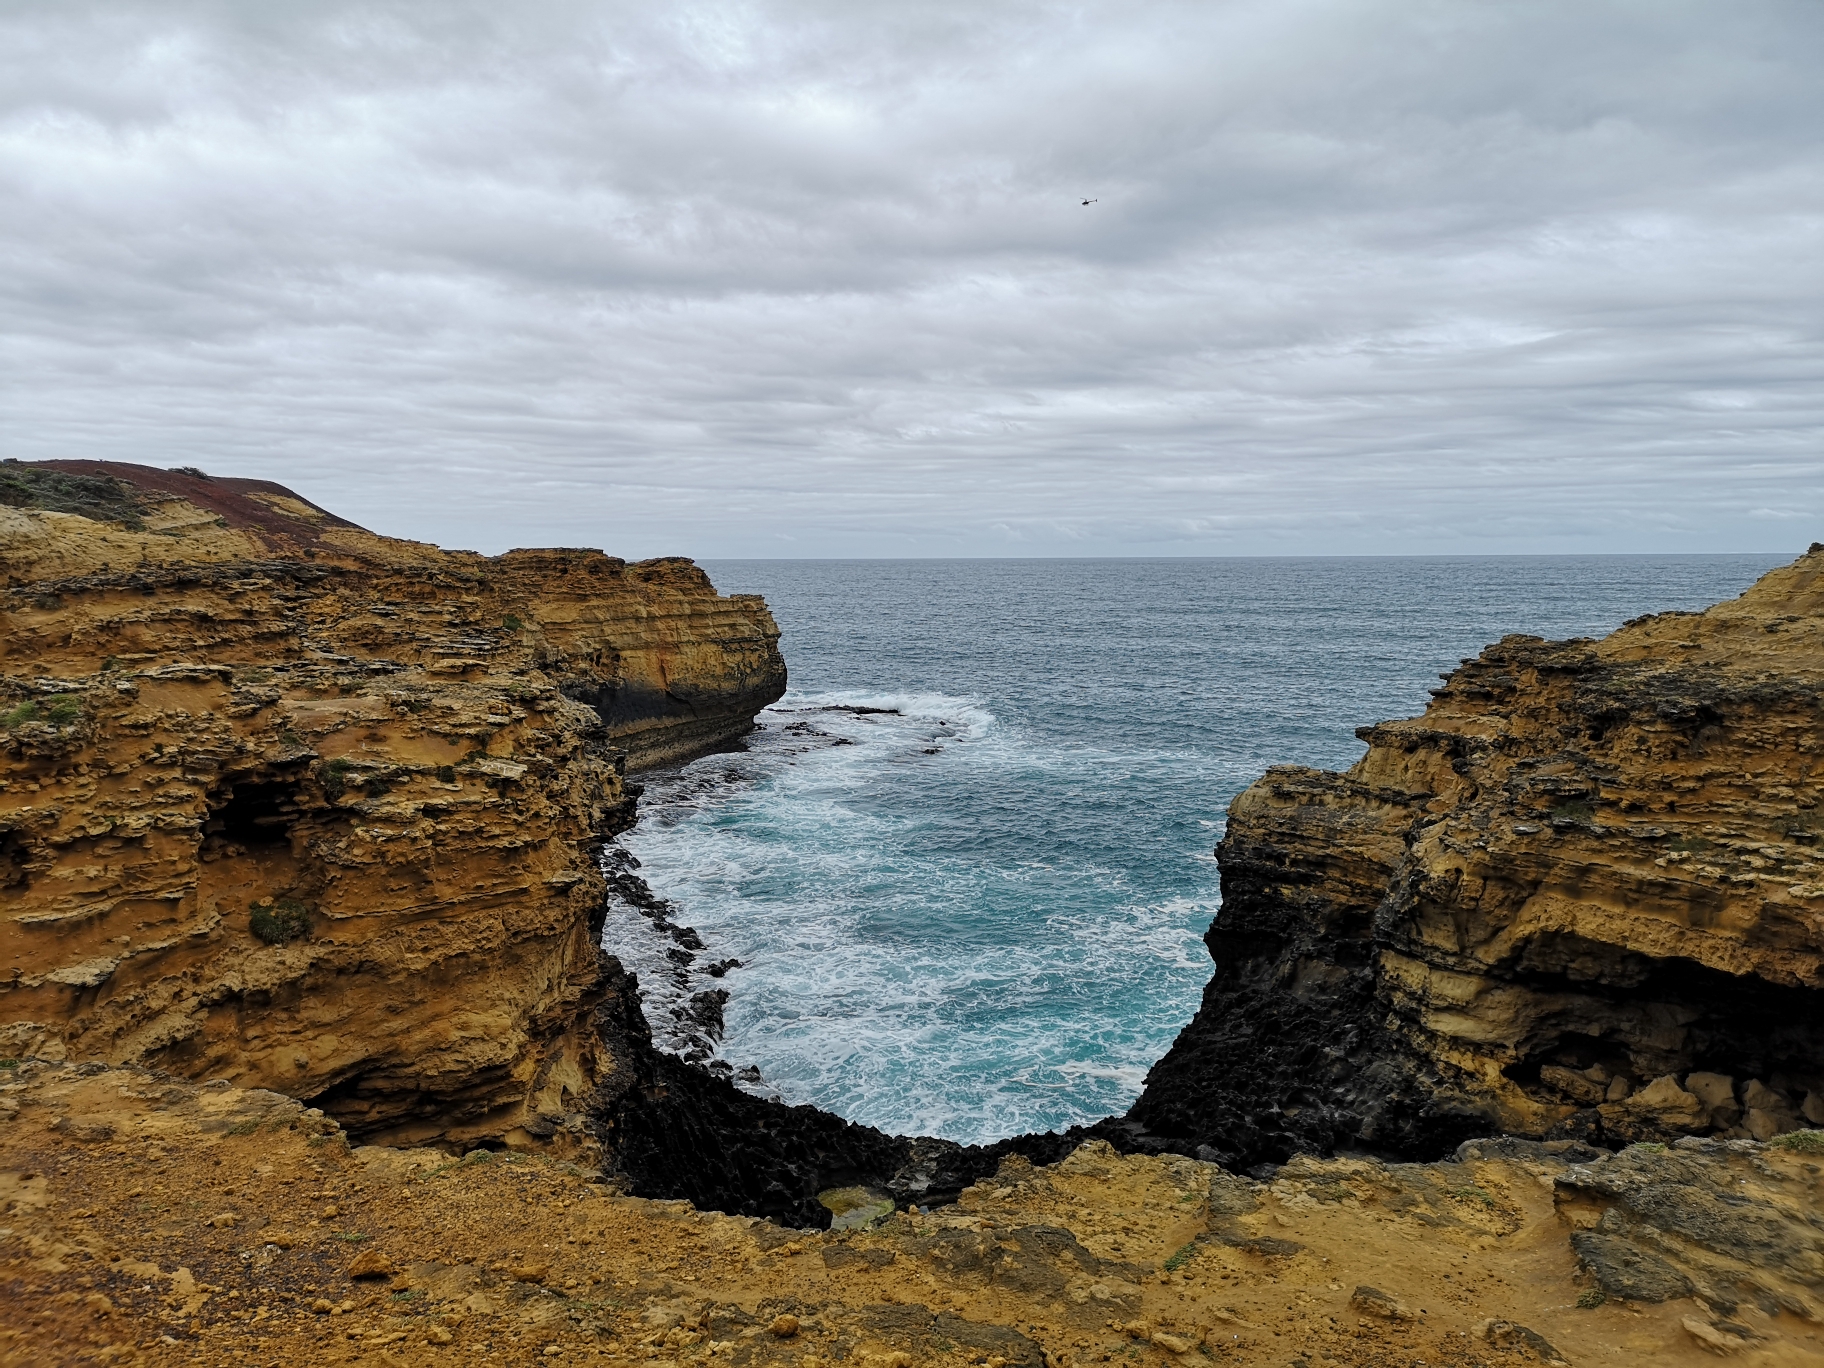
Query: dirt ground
146	1220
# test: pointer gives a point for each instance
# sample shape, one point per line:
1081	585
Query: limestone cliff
287	802
1581	895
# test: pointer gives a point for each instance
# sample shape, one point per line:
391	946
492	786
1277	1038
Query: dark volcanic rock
675	1129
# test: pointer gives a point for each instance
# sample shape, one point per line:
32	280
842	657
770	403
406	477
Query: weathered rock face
1581	895
315	810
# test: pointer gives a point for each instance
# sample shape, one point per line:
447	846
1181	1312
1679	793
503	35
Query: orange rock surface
289	803
149	1221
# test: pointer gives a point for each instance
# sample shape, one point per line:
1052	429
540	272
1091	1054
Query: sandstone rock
785	1326
1655	1225
1758	1095
1624	1269
1374	1302
1738	1219
270	779
855	1208
1764	1125
1716	1091
1712	1337
1665	1103
371	1263
1574	1085
1509	1335
1586	856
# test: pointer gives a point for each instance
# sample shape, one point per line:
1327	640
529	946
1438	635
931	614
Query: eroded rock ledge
153	1221
289	803
1582	896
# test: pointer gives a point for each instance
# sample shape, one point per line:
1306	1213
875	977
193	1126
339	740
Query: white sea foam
981	913
910	957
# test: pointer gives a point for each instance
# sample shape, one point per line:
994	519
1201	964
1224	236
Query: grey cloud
813	278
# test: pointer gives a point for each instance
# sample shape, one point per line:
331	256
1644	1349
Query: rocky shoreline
1581	897
311	813
1577	900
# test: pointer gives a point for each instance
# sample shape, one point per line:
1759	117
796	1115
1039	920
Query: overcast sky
805	279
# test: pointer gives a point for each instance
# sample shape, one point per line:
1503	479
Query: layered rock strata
1582	895
154	1221
289	803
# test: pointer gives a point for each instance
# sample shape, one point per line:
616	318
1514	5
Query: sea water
967	863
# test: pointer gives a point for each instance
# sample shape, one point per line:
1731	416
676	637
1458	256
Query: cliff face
289	803
1581	896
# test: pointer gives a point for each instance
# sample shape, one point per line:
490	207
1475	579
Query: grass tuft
280	921
1800	1141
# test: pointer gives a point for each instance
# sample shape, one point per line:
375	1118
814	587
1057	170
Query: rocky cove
313	818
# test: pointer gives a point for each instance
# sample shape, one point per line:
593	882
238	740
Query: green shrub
335	779
512	623
1181	1257
19	716
1800	1141
377	787
96	497
280	921
65	710
446	774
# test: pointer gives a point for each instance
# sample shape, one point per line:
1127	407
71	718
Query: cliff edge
1580	897
289	803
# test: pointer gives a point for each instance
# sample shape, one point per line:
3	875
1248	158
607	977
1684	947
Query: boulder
1664	1102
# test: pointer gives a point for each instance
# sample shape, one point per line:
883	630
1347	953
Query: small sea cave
13	859
249	858
258	812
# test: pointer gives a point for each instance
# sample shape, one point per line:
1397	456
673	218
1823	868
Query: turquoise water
980	913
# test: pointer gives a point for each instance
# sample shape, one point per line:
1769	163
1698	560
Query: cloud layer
814	278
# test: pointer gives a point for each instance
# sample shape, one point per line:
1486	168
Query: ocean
967	863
